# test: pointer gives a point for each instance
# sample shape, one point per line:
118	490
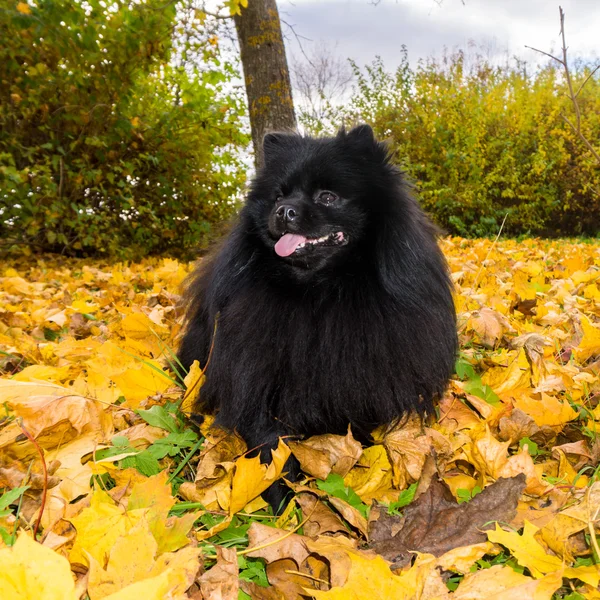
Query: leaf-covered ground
495	496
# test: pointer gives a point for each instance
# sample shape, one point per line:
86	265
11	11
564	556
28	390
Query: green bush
487	142
107	147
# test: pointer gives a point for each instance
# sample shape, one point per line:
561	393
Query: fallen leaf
557	534
30	571
320	518
252	478
221	581
324	454
503	583
274	544
435	523
526	549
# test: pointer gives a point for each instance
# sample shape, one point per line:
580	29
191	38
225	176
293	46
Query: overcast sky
363	30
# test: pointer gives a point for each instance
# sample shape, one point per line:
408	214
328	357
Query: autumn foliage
498	493
484	142
113	141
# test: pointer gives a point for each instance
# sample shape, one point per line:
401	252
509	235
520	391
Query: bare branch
546	53
567	72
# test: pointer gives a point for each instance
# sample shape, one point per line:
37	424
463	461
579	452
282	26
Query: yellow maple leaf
154	494
140	381
129	560
30	571
592	292
548	410
193	382
590	342
156	588
133	559
526	549
252	478
99	526
461	559
506	380
372	477
38	373
370	578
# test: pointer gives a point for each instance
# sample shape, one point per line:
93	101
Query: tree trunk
266	72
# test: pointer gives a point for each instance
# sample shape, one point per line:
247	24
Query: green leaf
11	496
146	464
334	486
532	447
158	416
405	498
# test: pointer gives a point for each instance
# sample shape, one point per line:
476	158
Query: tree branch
576	127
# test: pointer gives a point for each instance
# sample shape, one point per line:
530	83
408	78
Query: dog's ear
274	141
363	133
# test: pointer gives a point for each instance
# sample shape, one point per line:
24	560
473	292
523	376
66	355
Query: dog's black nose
286	213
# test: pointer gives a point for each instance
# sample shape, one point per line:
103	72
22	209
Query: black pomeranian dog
333	299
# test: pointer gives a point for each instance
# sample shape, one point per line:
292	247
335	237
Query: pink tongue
288	243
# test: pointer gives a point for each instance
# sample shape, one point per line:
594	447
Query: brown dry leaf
351	514
215	470
320	518
407	447
503	583
221	581
490	326
52	414
515	426
274	544
324	454
455	416
258	592
284	576
336	551
435	523
220	448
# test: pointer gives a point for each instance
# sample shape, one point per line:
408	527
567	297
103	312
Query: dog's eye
327	197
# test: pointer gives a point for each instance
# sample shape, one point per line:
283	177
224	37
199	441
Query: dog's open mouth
292	243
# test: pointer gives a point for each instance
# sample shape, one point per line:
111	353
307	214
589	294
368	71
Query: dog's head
312	200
